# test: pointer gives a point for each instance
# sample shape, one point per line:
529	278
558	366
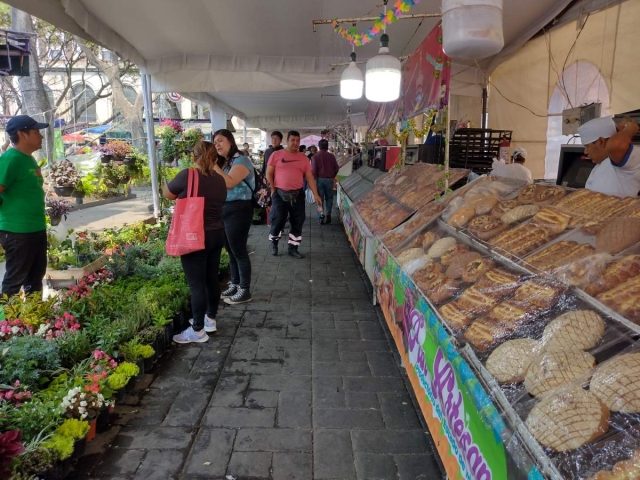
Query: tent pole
485	97
244	133
446	141
151	143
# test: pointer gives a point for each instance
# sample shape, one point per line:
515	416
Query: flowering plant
15	327
119	148
79	404
102	362
15	394
64	174
192	136
57	208
59	326
171	124
10	446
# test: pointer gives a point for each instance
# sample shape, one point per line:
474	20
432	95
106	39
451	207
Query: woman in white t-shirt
617	170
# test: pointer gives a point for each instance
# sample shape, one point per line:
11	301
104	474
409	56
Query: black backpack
261	194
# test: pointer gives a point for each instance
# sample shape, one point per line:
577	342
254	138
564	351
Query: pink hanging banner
426	79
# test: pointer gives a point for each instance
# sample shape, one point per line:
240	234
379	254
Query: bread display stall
514	311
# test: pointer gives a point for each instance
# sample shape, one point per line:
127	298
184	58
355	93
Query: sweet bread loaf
476	269
485	334
475	302
568	420
503	207
425	280
539	294
551	220
552	369
509	362
429	239
459	264
486	227
498	283
617	383
624	299
442	289
580	329
452	252
548	195
408	255
618	235
441	246
456	317
527	194
484	206
427	269
521	212
512	315
461	217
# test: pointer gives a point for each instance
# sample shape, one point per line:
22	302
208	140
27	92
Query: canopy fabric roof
260	60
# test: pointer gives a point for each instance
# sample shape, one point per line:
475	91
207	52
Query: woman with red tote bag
199	191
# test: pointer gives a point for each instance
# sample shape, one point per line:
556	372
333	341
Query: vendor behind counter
515	169
609	147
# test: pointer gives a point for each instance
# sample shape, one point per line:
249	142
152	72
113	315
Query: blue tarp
99	129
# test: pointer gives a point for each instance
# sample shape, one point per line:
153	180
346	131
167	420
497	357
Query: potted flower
115	175
120	149
56	210
169	132
106	153
64	177
77	430
130	371
191	137
84	187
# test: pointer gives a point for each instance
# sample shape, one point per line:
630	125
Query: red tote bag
186	234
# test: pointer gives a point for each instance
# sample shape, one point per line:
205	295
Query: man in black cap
23	229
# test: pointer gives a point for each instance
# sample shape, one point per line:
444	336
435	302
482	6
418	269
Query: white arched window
580	84
83	94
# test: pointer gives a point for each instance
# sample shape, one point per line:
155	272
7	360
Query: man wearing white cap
514	170
617	170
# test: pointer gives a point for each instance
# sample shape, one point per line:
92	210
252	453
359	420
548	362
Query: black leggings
237	217
201	269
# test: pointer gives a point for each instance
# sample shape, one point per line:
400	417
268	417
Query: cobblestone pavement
302	383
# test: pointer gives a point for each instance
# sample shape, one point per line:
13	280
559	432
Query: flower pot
168	334
79	200
102	421
148	364
63	191
106	158
140	364
60	472
125	179
55	220
120	394
77	194
92	430
179	323
129	161
79	448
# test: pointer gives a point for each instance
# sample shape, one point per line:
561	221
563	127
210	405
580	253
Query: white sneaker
209	325
189	336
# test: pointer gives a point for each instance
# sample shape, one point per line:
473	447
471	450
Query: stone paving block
286	343
187	352
328	300
254	319
262	367
347	419
353	357
418	467
355	317
301	331
390	442
283	440
342	326
298	354
176	367
245	332
375	467
244	348
336	334
327	397
239	417
250	464
119	461
320	317
383	364
205	382
292	466
150	412
154	438
332	308
374	384
325	350
398	411
361	400
294	410
262	399
332	455
363	345
281	383
186	410
341	369
210	453
269	353
371	331
293	366
161	464
230	391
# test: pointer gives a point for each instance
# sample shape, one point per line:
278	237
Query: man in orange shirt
285	173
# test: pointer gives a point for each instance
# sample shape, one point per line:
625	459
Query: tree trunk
132	114
34	98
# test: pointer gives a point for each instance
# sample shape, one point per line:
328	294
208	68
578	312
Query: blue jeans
325	190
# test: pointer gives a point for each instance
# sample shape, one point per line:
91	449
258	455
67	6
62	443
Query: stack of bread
425	215
622	470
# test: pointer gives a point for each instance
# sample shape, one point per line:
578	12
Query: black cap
23	122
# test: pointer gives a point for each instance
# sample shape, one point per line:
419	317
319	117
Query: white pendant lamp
383	77
352	81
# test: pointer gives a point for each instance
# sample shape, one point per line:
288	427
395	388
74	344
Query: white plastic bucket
472	29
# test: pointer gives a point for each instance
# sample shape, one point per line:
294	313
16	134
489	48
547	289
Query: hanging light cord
384	28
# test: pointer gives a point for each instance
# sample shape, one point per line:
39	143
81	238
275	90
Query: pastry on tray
456	317
519	213
486	205
476	268
486	227
551	220
503	207
581	329
498	283
527	194
485	334
440	247
442	289
553	369
619	235
548	195
461	217
475	302
512	315
459	264
509	362
615	274
538	293
617	383
452	252
568	420
624	299
429	239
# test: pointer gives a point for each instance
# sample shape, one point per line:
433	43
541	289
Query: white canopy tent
259	60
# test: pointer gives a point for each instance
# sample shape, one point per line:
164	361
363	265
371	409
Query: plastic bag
186	234
309	197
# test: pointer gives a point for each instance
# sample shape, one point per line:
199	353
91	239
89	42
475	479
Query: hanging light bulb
383	77
352	81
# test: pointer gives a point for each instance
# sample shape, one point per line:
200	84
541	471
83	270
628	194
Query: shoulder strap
194	179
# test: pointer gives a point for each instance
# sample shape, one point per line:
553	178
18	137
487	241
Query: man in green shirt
23	230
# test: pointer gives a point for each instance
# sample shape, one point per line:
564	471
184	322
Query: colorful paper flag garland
358	39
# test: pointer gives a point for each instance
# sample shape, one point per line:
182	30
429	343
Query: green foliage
39	461
61	445
74	347
73	428
28	359
127	369
117	381
134	350
224	261
32	310
39	416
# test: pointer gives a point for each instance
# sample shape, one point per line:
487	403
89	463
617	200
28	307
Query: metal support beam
485	97
372	19
151	143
